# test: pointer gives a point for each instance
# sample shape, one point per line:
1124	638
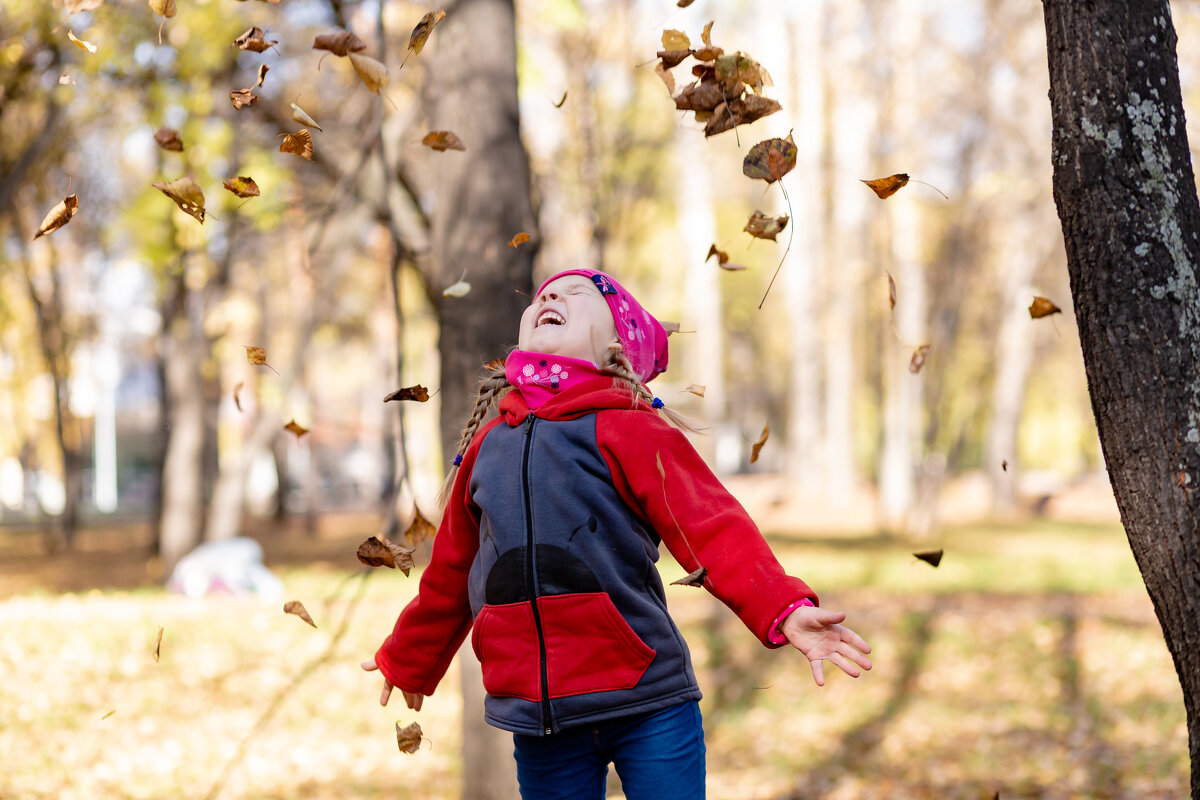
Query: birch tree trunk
482	199
1126	198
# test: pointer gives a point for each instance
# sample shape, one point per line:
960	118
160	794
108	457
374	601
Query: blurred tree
1126	198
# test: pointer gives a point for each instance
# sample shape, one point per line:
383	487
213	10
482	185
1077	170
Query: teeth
551	318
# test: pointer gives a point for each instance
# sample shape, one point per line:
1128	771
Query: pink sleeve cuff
775	635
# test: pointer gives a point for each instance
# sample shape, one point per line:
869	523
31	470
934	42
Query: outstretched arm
819	635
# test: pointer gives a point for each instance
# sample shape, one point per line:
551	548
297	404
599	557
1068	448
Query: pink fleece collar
540	376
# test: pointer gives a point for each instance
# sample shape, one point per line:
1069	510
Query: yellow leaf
459	289
757	447
519	239
58	216
164	8
258	357
242	186
80	43
298	143
299	115
420	33
1042	307
186	194
675	40
373	73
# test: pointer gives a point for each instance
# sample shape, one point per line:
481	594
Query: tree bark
482	199
1127	202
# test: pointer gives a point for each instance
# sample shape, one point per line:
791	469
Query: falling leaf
695	388
669	327
459	289
886	187
684	3
409	739
559	104
734	68
298	143
706	34
708	53
671	58
722	259
1041	307
263	69
254	39
168	139
930	557
66	80
373	73
376	552
299	115
762	226
420	33
296	428
58	216
163	8
918	358
186	194
757	447
109	714
739	111
1004	465
297	608
419	529
243	97
242	186
237	390
891	290
663	73
418	393
75	6
158	645
340	43
258	357
694	578
770	159
519	239
675	40
80	43
443	141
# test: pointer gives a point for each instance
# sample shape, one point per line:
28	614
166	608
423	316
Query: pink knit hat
642	336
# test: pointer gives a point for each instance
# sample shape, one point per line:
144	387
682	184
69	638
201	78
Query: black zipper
530	577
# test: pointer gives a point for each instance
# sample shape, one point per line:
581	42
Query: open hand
412	700
818	634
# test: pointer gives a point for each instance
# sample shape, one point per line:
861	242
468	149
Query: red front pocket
505	641
589	645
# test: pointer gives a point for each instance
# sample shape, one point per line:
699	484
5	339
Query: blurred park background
134	425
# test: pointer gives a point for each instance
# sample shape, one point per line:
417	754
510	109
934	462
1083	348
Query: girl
545	556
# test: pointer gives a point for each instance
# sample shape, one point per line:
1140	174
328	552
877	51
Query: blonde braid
616	363
492	385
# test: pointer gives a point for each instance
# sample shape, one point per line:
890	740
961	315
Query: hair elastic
657	403
458	459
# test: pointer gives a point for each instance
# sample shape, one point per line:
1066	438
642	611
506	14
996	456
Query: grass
1029	664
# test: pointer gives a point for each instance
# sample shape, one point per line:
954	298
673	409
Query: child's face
568	318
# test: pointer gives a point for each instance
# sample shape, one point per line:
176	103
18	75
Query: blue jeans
658	756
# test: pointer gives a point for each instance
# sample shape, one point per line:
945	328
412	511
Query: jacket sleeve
663	479
432	627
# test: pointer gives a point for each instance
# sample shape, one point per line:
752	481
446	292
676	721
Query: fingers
369	666
818	672
828	618
386	695
414	701
854	639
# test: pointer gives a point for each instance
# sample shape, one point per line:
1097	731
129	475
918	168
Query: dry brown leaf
263	69
418	393
80	43
1042	307
420	33
886	187
672	58
298	143
168	139
559	104
722	259
918	358
666	76
158	645
376	552
443	141
739	111
770	159
891	290
109	714
340	43
296	608
419	529
164	8
58	216
296	428
684	3
255	40
186	194
930	557
299	115
373	73
237	392
242	186
757	447
706	34
242	97
409	739
519	239
762	226
75	6
695	388
694	578
257	356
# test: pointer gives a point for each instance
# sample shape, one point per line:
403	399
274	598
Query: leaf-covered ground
1029	664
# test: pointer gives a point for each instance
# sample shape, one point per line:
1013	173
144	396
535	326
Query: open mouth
550	317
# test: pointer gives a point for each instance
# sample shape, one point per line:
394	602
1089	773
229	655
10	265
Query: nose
548	295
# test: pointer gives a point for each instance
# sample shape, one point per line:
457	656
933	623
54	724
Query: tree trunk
482	199
1126	198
